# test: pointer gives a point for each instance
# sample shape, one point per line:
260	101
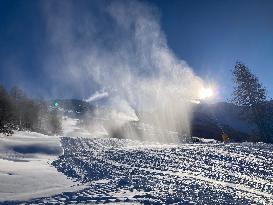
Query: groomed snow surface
103	170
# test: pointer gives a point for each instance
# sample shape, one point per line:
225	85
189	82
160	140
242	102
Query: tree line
19	112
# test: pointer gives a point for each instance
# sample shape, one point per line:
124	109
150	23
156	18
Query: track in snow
127	171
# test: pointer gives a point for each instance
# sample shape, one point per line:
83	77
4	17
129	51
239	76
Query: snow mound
24	145
25	170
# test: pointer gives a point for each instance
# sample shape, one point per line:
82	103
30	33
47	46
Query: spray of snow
97	96
125	53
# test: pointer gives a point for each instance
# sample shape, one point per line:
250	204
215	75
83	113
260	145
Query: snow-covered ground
71	128
128	171
39	169
25	167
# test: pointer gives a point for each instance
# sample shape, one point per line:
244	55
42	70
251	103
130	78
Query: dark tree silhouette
251	95
19	112
5	112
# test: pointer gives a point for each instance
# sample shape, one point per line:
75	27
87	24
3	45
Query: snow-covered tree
251	95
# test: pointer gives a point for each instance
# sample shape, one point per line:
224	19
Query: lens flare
205	93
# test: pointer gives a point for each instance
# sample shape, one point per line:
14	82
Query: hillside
208	120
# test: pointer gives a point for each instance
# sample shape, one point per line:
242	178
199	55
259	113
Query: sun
205	93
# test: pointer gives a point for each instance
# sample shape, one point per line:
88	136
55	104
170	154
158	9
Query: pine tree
251	96
18	98
5	112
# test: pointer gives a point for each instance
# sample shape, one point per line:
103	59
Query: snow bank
29	144
25	170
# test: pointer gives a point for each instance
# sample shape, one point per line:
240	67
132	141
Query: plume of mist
119	47
97	96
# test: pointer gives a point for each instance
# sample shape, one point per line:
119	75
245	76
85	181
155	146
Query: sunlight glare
205	93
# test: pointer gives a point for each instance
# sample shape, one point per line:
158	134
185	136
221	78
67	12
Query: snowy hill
125	171
210	119
72	107
80	169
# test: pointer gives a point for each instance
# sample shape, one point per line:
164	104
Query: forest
20	112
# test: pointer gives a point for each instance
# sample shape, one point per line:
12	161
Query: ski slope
125	171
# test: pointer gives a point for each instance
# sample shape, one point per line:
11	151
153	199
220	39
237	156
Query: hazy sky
209	35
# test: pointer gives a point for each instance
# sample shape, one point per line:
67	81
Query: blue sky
209	35
212	35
